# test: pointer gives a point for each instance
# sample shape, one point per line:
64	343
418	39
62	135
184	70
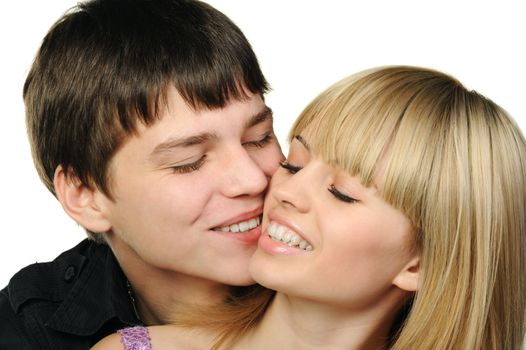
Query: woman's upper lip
283	220
242	217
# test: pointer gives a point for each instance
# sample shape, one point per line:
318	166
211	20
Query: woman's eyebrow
303	142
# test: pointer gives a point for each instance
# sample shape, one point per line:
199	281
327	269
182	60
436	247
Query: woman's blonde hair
455	163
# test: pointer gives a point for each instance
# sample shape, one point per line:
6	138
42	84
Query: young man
147	122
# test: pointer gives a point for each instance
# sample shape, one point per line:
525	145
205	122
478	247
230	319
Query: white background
303	46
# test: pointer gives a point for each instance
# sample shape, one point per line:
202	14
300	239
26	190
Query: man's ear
408	278
80	202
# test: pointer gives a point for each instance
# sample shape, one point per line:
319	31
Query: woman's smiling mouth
283	234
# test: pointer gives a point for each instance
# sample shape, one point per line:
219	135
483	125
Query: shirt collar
99	295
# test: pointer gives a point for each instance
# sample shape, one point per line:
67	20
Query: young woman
398	221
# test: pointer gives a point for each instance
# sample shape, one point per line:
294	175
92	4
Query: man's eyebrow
303	142
260	117
189	141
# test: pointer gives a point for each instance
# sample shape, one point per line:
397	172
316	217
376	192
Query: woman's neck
294	323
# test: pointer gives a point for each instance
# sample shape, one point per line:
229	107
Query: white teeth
241	226
271	229
282	234
295	240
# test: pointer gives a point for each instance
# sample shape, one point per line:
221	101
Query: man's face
188	191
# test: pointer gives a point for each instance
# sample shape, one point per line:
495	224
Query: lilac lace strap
135	338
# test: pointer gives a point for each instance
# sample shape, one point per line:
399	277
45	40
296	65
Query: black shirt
69	303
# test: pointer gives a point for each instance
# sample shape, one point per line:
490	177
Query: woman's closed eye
340	196
292	169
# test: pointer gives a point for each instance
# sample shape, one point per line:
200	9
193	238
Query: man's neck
292	323
159	297
157	293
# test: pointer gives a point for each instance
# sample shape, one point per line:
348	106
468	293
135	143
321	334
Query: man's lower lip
278	248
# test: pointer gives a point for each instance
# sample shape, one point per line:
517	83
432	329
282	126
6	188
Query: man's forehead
172	99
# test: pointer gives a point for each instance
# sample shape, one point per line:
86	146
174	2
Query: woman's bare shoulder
170	337
111	342
167	337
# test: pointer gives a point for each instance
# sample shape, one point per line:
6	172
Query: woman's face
328	238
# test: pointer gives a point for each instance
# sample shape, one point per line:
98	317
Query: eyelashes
343	197
293	169
261	143
187	168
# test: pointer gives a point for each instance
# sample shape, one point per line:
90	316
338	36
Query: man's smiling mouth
242	226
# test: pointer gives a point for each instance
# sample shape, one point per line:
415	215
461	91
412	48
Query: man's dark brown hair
105	66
